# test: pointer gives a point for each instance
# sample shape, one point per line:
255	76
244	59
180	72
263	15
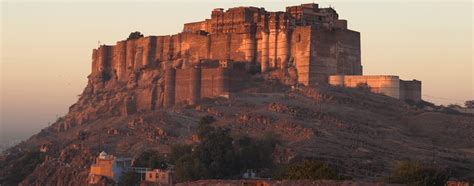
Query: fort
212	58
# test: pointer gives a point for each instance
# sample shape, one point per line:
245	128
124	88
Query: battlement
254	20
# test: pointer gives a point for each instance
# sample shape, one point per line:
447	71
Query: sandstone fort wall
270	40
410	90
388	85
310	39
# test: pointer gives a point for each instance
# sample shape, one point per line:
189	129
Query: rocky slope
360	133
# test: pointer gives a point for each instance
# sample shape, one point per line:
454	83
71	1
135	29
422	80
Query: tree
469	104
213	158
135	35
25	165
204	126
129	178
307	169
256	154
178	151
185	169
217	156
215	152
415	173
151	159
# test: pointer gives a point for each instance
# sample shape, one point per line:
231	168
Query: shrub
217	156
135	35
130	178
178	151
151	159
24	166
256	154
307	169
415	173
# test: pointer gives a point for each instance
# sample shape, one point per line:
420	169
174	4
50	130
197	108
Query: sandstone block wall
301	53
388	85
410	90
312	39
193	84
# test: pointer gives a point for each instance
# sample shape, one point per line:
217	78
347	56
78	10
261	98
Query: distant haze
46	47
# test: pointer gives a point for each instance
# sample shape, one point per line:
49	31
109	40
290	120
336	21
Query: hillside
362	134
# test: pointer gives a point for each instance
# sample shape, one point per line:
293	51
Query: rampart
189	86
312	39
306	38
410	90
388	85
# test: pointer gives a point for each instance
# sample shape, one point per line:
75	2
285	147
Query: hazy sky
46	46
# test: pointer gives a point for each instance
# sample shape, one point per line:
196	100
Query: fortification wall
410	90
101	58
323	55
195	27
300	50
219	46
348	52
194	47
334	52
247	34
215	82
387	85
170	88
189	86
312	39
146	98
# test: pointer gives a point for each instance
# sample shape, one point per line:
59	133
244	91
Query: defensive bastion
210	58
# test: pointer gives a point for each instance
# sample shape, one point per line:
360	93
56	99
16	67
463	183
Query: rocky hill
362	134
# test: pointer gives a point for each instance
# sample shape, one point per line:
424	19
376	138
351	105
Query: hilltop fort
304	45
294	76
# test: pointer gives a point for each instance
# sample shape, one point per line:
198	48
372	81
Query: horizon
47	46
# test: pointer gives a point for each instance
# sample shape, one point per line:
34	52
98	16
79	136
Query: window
298	38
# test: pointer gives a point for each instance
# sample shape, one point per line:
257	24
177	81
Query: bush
307	169
135	35
130	178
415	173
215	152
24	166
217	156
151	159
178	151
256	154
